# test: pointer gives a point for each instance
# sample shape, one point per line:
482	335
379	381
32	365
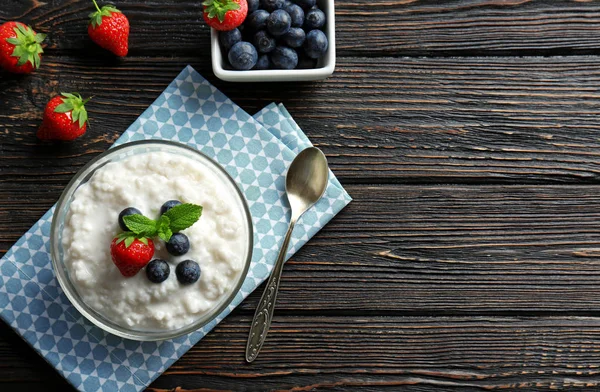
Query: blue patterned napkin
256	151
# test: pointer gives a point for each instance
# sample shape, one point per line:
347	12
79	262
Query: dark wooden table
466	131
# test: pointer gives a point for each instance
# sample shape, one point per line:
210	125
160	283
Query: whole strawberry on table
65	118
20	48
109	28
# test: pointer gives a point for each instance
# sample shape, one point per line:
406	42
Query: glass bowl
117	154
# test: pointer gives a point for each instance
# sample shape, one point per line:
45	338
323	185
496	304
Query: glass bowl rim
95	317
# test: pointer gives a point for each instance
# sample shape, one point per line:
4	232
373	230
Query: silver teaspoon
305	184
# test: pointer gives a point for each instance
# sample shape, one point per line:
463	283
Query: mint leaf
163	221
183	216
141	225
165	235
164	228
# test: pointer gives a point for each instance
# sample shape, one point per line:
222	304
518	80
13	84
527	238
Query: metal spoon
305	183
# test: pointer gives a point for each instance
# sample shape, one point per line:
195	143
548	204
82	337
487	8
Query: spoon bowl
306	180
305	184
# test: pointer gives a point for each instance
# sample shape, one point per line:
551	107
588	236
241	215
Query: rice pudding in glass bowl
144	175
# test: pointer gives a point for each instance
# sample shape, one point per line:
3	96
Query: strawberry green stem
96	16
74	104
96	4
27	45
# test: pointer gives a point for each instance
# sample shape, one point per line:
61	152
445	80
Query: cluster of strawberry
65	116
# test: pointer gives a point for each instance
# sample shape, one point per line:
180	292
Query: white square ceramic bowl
324	69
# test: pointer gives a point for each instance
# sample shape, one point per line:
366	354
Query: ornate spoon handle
264	311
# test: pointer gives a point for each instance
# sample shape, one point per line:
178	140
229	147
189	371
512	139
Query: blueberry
158	271
243	56
257	20
168	205
252	6
316	44
296	13
279	23
263	62
229	38
271	5
263	42
284	58
306	4
178	244
187	272
315	19
305	62
295	37
127	211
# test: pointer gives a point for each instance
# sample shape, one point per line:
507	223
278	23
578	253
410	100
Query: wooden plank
389	28
429	250
455	120
372	353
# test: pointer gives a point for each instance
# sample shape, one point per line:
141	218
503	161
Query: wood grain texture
459	120
373	353
488	281
387	28
430	250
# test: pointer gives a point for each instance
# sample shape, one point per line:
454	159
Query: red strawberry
225	15
20	48
131	254
109	28
65	118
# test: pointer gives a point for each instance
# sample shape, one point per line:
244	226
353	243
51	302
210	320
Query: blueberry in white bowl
229	38
284	57
314	19
316	44
243	56
263	62
271	5
295	37
257	20
264	42
279	23
306	4
296	13
252	5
